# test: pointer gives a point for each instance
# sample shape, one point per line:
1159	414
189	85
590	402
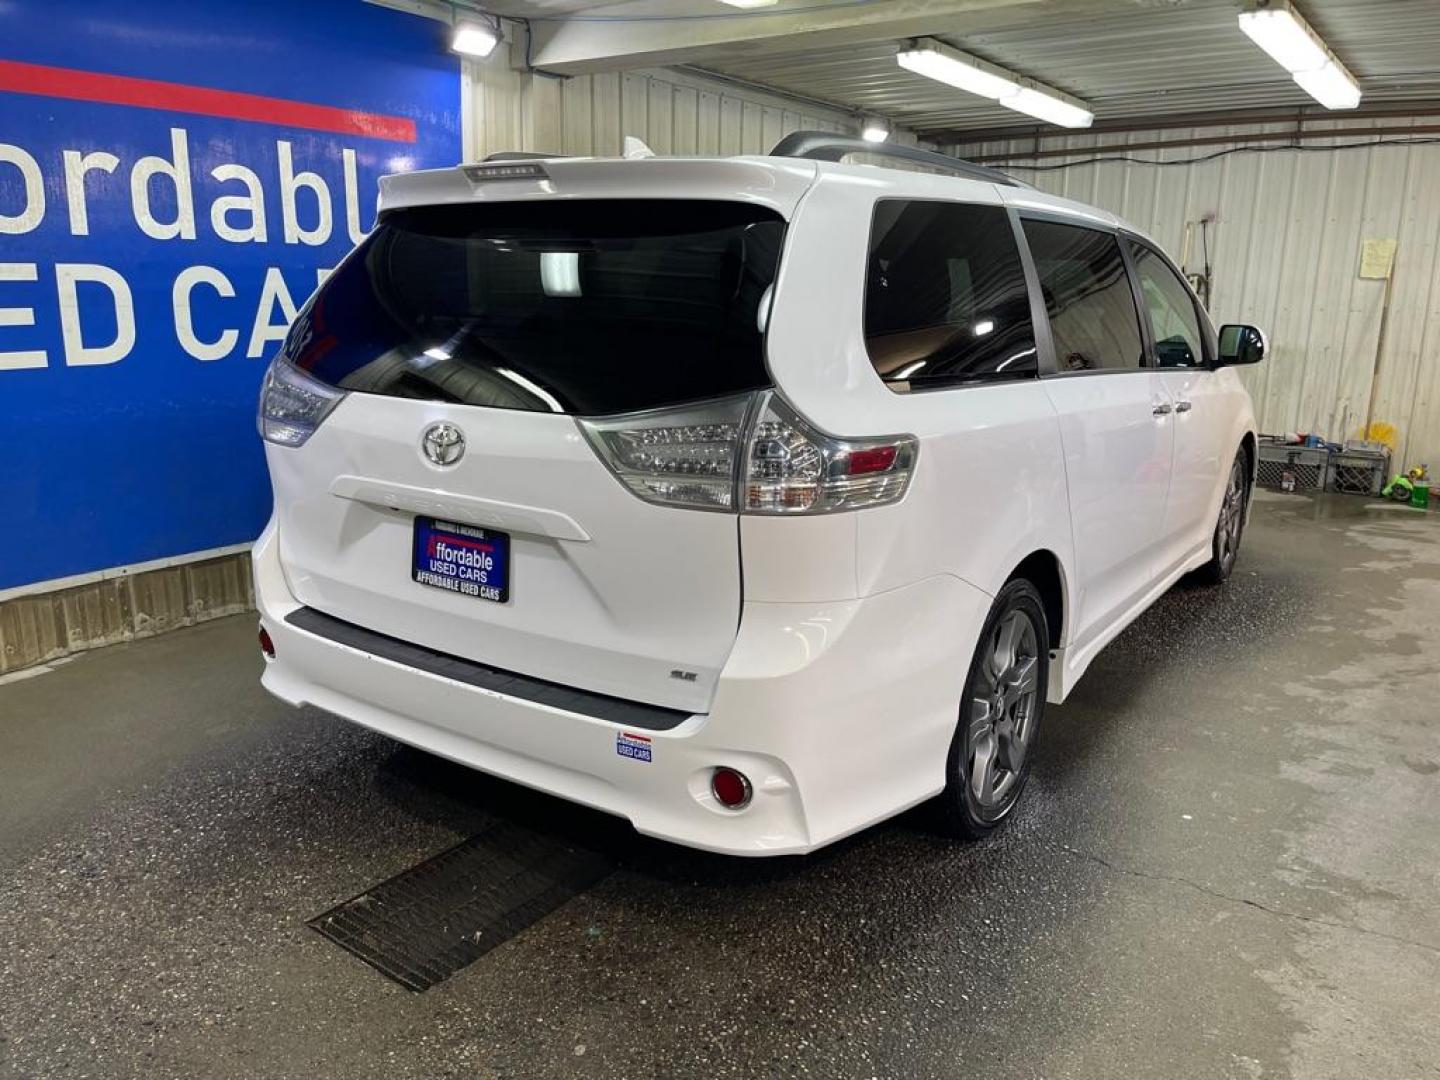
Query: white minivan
753	499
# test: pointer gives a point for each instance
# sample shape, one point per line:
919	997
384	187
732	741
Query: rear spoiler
768	181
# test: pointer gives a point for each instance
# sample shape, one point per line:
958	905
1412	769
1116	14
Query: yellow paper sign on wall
1377	256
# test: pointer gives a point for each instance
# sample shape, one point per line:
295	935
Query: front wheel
1225	544
1000	713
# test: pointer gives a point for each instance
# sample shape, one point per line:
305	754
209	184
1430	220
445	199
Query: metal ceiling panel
1146	59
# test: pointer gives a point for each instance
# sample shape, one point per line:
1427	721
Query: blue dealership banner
175	178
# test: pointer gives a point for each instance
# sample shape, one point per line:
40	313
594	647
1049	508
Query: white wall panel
1285	253
674	112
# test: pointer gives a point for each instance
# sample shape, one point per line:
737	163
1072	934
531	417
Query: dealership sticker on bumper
636	747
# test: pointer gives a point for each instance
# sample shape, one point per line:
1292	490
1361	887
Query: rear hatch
453	500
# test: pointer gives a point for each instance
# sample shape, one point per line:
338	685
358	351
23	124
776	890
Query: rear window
585	307
945	300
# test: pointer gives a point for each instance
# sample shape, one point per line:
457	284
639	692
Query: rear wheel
1000	714
1225	544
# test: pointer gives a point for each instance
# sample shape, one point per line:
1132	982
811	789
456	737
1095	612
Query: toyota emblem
444	444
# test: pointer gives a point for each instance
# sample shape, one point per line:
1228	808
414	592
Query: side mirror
1241	344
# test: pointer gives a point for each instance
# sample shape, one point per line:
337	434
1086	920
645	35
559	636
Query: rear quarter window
945	296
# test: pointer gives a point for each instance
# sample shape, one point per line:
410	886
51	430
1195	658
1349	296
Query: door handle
1163	409
1183	406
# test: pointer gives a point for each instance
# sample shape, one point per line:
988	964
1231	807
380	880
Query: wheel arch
1043	569
1250	447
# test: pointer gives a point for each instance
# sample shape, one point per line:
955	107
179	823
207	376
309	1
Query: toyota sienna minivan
752	499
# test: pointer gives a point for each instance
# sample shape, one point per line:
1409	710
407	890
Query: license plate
461	559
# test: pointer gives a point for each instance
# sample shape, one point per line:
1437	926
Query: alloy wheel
1232	517
1002	710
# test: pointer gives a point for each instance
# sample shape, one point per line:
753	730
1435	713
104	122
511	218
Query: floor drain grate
422	926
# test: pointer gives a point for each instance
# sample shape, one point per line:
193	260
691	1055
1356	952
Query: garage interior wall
1285	250
673	112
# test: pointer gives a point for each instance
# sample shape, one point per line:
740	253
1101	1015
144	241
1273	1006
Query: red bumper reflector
730	788
266	645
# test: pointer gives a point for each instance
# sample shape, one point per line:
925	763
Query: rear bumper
841	714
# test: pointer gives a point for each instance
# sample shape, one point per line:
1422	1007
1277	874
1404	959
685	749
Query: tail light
292	404
677	457
751	453
790	468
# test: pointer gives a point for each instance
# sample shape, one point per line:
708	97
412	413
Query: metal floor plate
422	926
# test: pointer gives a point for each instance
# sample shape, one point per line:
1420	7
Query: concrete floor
1226	867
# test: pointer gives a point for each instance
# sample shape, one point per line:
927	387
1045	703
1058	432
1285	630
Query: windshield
586	307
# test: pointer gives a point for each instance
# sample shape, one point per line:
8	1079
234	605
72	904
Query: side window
1171	309
1087	296
945	296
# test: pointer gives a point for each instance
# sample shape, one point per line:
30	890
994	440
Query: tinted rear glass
1088	297
945	296
582	307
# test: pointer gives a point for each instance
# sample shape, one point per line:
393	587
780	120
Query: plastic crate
1293	468
1359	472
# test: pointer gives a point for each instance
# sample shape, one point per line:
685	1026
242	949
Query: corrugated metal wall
674	112
1285	252
48	625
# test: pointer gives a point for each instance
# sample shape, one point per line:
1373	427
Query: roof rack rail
823	146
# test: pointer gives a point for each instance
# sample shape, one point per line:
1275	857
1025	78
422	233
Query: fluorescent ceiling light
1291	42
560	273
534	388
1282	34
938	61
1330	85
474	39
1048	107
957	69
876	131
749	3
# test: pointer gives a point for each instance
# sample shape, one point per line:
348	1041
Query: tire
1225	541
994	743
